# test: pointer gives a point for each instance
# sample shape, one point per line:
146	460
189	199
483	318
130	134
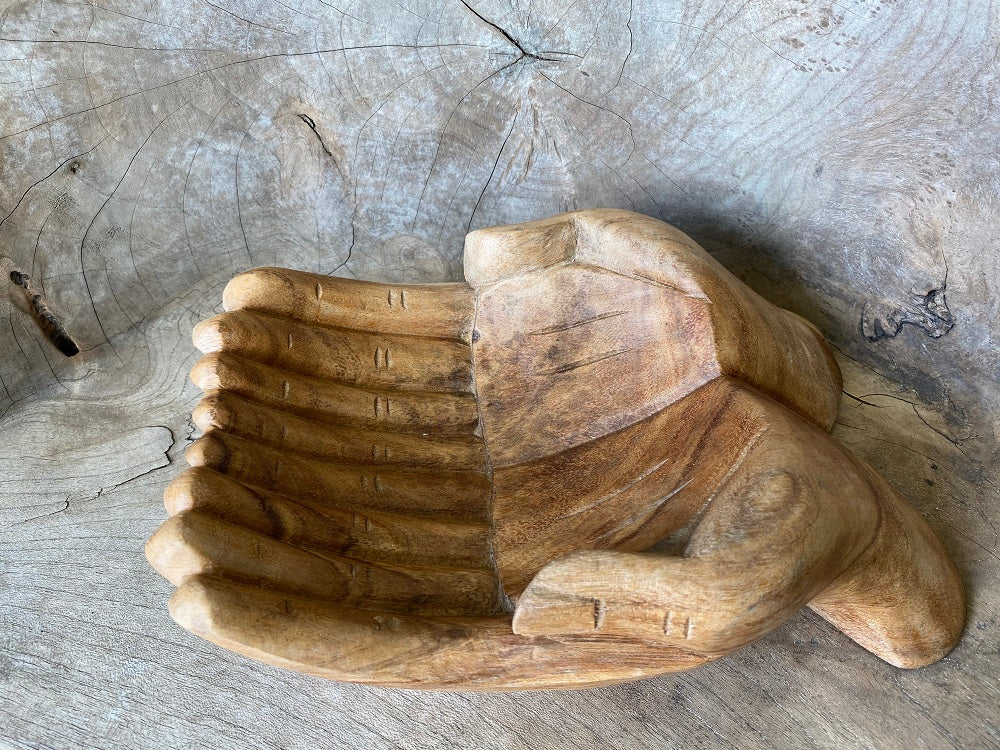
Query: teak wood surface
453	485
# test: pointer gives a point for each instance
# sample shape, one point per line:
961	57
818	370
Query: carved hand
452	485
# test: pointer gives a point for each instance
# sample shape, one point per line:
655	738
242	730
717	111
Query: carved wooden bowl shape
602	458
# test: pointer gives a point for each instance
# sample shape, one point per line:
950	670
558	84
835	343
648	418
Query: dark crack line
923	710
503	32
173	440
299	12
131	251
444	128
83	240
112	487
357	141
555	24
665	176
611	112
859	362
134	18
111	288
187	184
46	515
247	20
702	29
664	98
860	400
3	383
239	208
557	52
111	44
493	171
166	455
312	126
38	241
17	341
796	65
43	179
954	441
350	250
631	41
506	35
993	527
899	445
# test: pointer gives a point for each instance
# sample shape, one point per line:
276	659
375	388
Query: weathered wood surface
840	157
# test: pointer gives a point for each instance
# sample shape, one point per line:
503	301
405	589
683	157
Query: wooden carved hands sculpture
459	485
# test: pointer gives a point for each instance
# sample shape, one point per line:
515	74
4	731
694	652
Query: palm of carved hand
386	468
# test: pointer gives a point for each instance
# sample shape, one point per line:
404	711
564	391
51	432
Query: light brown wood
452	485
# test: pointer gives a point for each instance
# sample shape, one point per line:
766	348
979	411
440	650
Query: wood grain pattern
611	412
835	156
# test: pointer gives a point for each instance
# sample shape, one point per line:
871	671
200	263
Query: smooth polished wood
453	485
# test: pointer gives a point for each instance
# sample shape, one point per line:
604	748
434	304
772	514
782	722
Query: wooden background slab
841	157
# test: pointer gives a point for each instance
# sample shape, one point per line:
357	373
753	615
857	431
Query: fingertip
497	253
257	289
208	372
212	412
179	495
208	451
196	488
561	598
173	553
191	607
209	335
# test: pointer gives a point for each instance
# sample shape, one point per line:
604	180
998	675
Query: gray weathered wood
839	156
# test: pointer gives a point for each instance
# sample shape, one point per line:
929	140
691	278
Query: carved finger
497	253
761	552
432	494
688	603
399	650
193	543
437	310
321	527
416	412
380	448
362	358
